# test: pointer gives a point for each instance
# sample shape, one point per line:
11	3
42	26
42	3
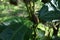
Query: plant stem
34	30
31	11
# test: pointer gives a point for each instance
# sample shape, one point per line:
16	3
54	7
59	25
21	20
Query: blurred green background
19	14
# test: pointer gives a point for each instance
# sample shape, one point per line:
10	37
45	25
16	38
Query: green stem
28	8
31	11
33	7
35	25
34	30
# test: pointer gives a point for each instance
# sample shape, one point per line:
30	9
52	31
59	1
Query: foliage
12	28
17	24
51	12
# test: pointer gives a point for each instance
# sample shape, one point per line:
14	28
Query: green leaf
16	30
2	27
20	33
41	26
58	3
49	12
